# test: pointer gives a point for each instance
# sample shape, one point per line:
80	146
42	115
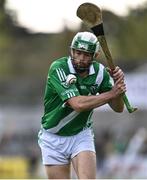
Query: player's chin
85	66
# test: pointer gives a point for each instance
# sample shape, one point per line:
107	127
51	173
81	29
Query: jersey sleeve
57	79
107	82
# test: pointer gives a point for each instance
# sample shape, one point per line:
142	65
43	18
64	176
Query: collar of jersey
72	70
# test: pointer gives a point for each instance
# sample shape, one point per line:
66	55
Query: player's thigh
58	171
85	165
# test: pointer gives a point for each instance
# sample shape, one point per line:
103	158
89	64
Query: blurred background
35	33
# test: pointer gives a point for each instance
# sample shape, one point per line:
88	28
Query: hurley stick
91	15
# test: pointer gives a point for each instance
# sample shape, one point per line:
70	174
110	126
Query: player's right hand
119	87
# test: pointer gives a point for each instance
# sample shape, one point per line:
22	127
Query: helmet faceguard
86	42
79	66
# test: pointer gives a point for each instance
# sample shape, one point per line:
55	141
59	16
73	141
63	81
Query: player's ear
97	54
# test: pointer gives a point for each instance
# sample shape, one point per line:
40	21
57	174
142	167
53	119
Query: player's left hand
119	84
116	74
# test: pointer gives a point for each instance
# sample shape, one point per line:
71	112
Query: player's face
81	60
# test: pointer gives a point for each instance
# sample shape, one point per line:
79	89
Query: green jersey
60	118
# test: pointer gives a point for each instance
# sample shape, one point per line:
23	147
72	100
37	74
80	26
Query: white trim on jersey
91	70
63	122
100	75
61	74
71	68
70	94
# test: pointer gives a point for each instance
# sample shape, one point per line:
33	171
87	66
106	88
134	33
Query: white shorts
58	150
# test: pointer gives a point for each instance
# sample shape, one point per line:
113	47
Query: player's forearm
117	104
83	103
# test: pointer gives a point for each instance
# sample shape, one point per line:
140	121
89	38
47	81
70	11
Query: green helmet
85	41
